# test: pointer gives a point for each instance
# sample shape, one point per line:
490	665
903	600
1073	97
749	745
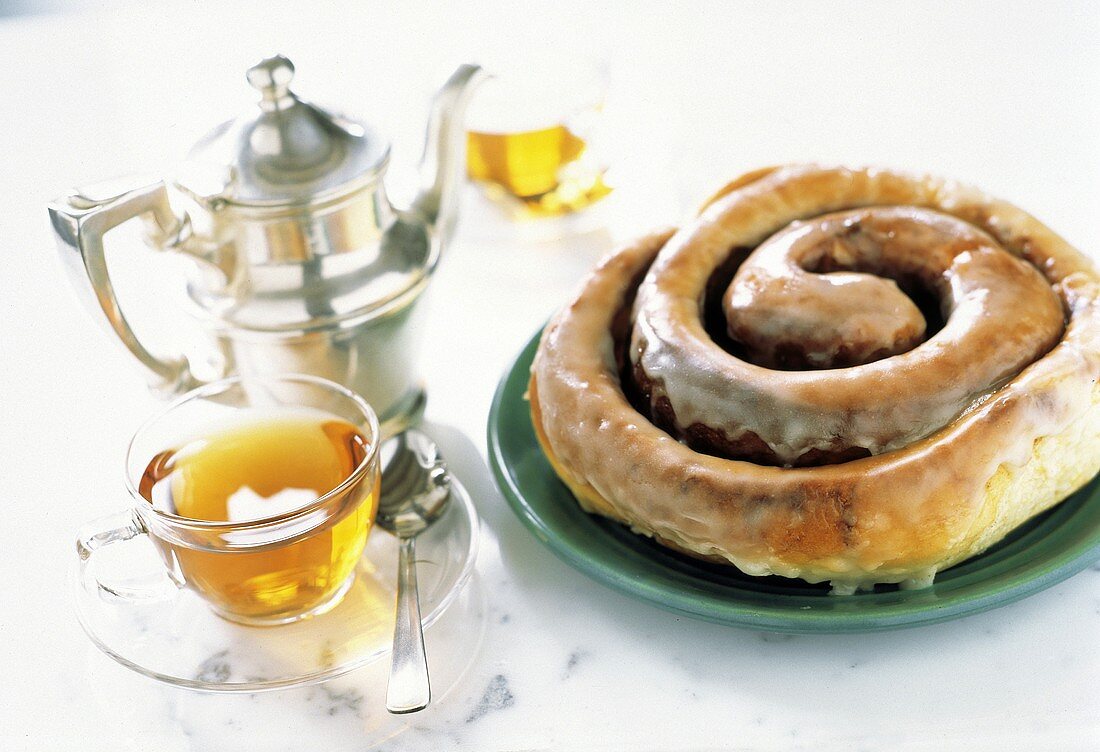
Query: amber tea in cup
258	494
270	465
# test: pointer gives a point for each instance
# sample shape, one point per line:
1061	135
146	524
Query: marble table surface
538	656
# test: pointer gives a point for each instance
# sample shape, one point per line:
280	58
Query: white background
1004	95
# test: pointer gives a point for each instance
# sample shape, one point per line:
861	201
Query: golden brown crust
899	516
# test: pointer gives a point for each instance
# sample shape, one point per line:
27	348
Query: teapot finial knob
271	77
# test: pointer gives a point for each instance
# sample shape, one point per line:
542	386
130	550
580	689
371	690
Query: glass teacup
257	493
535	134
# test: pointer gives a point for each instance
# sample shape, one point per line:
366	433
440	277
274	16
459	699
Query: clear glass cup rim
214	387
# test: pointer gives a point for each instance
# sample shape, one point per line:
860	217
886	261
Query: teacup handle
106	531
80	220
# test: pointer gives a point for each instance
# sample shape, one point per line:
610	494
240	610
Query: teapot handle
80	220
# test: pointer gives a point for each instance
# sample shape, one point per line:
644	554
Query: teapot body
335	289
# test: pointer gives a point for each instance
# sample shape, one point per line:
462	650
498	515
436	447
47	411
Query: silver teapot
302	263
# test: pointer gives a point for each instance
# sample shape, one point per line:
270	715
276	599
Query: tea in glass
533	138
268	465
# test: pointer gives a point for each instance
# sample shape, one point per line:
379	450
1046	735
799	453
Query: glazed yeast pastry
857	376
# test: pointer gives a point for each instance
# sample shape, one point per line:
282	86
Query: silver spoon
416	490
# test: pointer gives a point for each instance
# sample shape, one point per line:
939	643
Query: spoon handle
408	689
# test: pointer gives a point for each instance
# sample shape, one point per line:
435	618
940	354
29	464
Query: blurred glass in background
535	137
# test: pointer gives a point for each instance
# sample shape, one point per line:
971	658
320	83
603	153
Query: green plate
1041	553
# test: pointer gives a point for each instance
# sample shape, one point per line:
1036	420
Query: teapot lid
285	151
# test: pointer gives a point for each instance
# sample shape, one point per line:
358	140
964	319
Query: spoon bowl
415	484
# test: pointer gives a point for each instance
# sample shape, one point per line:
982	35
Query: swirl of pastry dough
949	354
1001	315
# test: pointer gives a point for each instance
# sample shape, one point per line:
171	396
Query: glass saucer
181	642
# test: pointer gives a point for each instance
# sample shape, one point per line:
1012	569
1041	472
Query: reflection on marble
347	713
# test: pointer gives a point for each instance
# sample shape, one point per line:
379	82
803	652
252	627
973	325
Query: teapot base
405	413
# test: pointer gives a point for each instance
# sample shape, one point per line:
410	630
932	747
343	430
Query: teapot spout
442	165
